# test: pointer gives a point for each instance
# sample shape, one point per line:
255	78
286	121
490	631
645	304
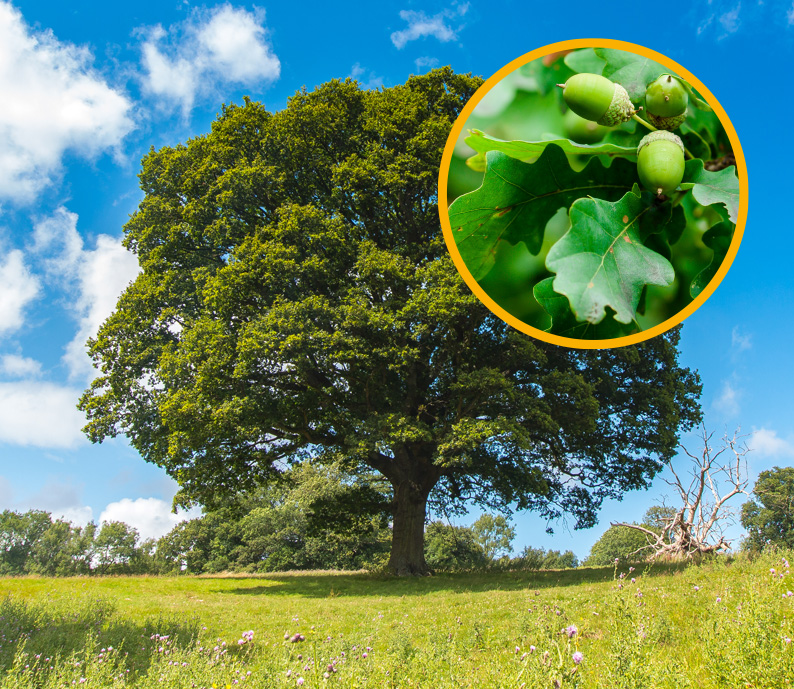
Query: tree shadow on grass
79	626
331	585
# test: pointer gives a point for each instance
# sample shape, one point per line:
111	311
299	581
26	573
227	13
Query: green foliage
494	535
286	526
114	546
649	255
769	516
618	543
534	559
453	548
621	544
297	305
18	533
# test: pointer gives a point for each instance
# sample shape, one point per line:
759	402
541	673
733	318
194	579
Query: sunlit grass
705	626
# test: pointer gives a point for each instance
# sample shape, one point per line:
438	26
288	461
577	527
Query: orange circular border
446	160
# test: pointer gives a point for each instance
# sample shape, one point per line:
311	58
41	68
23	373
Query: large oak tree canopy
297	303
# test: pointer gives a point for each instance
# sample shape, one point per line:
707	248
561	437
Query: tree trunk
408	530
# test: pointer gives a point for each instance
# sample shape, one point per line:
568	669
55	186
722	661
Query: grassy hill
720	624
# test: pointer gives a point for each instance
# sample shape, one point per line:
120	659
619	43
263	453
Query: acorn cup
598	99
660	162
666	102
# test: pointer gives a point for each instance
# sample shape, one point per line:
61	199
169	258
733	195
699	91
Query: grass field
722	624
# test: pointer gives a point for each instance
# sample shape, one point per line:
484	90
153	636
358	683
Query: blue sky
87	90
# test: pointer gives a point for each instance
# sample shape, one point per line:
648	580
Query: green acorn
598	99
582	131
666	102
660	162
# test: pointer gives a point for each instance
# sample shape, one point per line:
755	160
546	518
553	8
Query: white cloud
196	56
740	341
18	287
730	20
426	63
790	15
422	26
53	101
728	400
17	366
765	442
150	516
97	278
373	82
40	414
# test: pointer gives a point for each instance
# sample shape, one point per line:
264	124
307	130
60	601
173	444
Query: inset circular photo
593	193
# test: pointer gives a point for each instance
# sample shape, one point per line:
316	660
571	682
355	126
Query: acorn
582	131
660	162
666	102
598	99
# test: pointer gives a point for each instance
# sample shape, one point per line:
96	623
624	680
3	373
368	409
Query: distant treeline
291	526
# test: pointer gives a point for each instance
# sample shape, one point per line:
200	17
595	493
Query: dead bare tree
696	528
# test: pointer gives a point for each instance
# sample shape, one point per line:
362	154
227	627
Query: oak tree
296	303
769	516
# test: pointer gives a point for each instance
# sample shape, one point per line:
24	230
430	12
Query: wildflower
789	594
617	559
772	571
633	580
289	672
578	657
532	649
299	681
518	650
571	631
719	600
364	655
631	569
787	640
697	588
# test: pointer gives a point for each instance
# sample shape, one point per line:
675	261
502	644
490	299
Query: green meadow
724	623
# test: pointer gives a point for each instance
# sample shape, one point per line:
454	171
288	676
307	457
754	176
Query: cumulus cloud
17	366
96	278
150	516
195	57
53	101
422	26
766	443
18	287
40	414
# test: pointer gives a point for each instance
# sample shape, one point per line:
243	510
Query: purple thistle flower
299	681
578	657
571	631
719	600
